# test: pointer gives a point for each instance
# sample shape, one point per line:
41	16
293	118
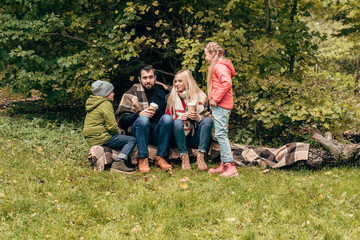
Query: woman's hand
185	116
193	115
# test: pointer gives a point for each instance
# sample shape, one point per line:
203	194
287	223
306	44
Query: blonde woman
219	86
192	127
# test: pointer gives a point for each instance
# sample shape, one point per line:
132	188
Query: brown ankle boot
143	165
185	162
161	162
200	158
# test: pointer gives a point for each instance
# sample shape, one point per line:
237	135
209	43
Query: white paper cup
191	107
154	105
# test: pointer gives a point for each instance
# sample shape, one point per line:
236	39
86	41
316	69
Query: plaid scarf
134	100
201	109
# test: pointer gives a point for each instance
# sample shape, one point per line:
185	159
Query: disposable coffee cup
191	107
154	105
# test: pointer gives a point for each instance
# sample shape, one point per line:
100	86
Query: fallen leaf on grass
230	219
34	214
184	179
135	229
314	233
248	220
266	171
216	179
183	186
291	190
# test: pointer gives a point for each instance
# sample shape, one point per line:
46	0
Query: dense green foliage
49	191
296	61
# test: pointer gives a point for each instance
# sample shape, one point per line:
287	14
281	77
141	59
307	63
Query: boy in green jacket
100	126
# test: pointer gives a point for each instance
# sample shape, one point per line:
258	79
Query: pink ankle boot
218	169
230	170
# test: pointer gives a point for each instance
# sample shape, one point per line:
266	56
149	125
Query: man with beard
141	112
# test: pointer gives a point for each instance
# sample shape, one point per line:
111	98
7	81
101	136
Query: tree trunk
292	63
293	11
357	76
267	7
292	18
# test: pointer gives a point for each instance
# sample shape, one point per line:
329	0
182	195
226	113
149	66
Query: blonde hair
213	47
193	92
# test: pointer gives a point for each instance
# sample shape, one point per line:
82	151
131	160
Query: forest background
297	62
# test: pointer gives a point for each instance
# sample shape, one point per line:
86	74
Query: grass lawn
48	191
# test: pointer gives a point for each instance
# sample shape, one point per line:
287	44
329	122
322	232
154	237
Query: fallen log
341	153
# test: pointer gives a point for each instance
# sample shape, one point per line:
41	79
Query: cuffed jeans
121	142
158	134
200	139
221	121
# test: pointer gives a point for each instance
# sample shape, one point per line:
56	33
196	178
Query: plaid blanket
243	155
260	156
134	100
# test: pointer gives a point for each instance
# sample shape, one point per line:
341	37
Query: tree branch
167	73
68	36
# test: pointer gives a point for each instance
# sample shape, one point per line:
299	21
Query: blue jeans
123	142
221	121
201	137
157	134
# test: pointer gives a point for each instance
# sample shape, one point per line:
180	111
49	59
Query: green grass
48	191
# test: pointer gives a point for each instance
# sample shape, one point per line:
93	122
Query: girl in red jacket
219	86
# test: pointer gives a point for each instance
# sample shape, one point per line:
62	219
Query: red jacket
221	90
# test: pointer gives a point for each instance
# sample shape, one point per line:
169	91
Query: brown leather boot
143	165
185	162
161	162
200	159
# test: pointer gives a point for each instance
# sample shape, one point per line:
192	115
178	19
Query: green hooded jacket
100	123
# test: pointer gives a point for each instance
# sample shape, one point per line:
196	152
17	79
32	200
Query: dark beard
148	89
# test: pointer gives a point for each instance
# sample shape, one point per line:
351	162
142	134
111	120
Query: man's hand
193	115
213	103
149	112
185	116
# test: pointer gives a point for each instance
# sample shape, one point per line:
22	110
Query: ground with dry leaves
48	191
